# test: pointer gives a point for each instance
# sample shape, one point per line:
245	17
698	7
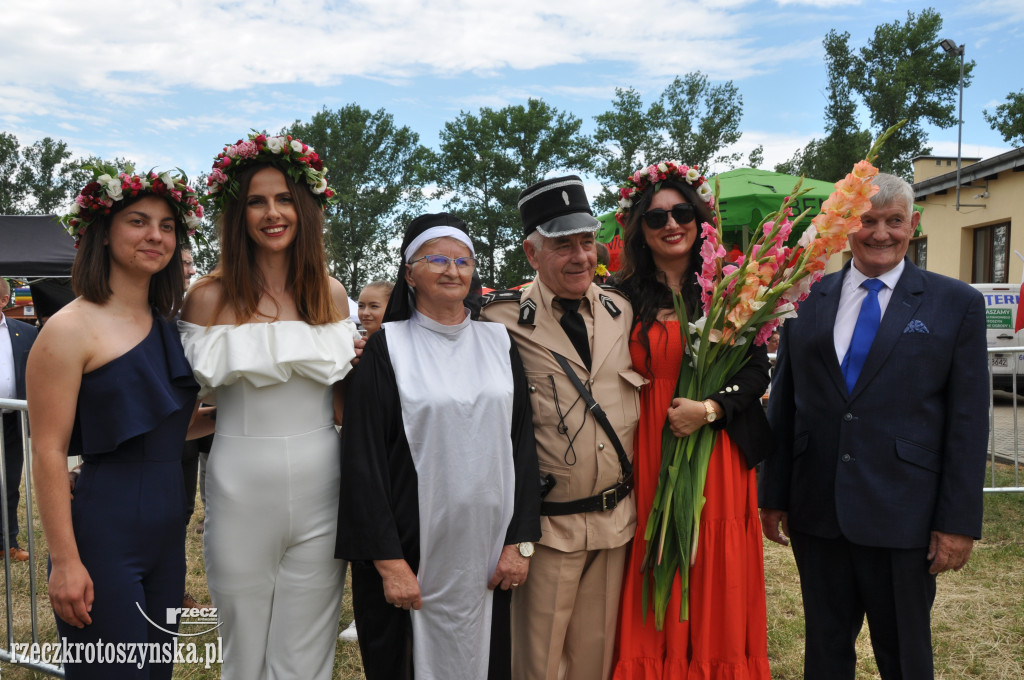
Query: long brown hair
90	273
242	282
638	276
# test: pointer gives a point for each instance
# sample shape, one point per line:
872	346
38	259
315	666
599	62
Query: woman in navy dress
107	379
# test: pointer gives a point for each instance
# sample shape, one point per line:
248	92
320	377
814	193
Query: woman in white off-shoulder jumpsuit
273	474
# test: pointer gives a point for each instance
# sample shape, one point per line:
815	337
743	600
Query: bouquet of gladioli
742	302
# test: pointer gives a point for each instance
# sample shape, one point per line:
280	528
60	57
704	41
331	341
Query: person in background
566	614
269	339
107	380
16	338
880	407
373	300
188	265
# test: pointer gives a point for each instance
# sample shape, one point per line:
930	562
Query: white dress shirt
7	382
851	298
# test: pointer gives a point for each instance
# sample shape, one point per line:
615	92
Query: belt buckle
605	495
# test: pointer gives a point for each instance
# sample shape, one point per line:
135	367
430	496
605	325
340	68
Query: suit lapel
830	289
905	300
607	332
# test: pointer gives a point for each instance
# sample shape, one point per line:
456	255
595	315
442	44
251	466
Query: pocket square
916	326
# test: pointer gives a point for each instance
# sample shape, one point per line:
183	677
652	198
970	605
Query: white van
1001	301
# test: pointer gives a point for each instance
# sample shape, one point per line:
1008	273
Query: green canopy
746	195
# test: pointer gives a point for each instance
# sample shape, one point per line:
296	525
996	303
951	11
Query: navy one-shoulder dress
129	504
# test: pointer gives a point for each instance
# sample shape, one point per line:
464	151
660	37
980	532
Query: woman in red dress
726	634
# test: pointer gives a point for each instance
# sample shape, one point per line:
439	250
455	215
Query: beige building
975	243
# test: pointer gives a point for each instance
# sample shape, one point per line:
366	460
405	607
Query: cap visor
566	225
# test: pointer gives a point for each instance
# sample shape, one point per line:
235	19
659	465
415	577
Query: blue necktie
863	333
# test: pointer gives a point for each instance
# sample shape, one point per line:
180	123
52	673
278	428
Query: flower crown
656	174
110	186
288	154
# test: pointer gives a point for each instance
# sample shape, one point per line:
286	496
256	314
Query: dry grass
978	618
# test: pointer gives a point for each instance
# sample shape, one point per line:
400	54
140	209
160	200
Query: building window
991	254
918	252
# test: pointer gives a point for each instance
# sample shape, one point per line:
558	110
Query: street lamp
951	48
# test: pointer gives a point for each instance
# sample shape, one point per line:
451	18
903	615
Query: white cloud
824	4
948	148
778	147
225	46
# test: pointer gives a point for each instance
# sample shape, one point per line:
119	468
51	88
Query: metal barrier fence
1004	364
6	653
1004	449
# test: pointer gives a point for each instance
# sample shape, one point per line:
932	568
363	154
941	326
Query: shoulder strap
599	414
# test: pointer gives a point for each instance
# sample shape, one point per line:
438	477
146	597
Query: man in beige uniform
564	614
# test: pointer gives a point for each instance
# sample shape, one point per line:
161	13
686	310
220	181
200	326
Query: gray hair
892	189
537	239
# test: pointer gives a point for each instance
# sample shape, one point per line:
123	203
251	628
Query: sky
168	84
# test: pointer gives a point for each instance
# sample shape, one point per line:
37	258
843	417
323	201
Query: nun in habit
439	477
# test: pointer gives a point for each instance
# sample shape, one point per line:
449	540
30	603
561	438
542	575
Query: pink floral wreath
656	174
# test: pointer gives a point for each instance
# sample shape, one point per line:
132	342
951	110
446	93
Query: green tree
830	158
700	120
485	160
692	121
901	73
626	138
378	172
205	255
756	157
1008	118
46	176
12	191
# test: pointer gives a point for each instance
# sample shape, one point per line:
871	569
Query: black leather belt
602	502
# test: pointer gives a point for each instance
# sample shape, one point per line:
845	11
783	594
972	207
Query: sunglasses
682	213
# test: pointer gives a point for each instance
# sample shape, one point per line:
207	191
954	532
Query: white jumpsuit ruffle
272	492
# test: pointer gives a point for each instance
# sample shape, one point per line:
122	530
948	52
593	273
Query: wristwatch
711	415
526	549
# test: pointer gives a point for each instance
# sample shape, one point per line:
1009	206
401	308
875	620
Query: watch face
526	549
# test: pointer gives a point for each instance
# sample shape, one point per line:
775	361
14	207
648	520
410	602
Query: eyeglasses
682	213
438	264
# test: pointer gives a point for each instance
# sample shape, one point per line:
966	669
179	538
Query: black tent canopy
35	246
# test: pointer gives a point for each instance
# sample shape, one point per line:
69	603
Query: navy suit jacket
22	337
904	454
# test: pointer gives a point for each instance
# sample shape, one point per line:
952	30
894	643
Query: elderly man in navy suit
879	405
16	338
